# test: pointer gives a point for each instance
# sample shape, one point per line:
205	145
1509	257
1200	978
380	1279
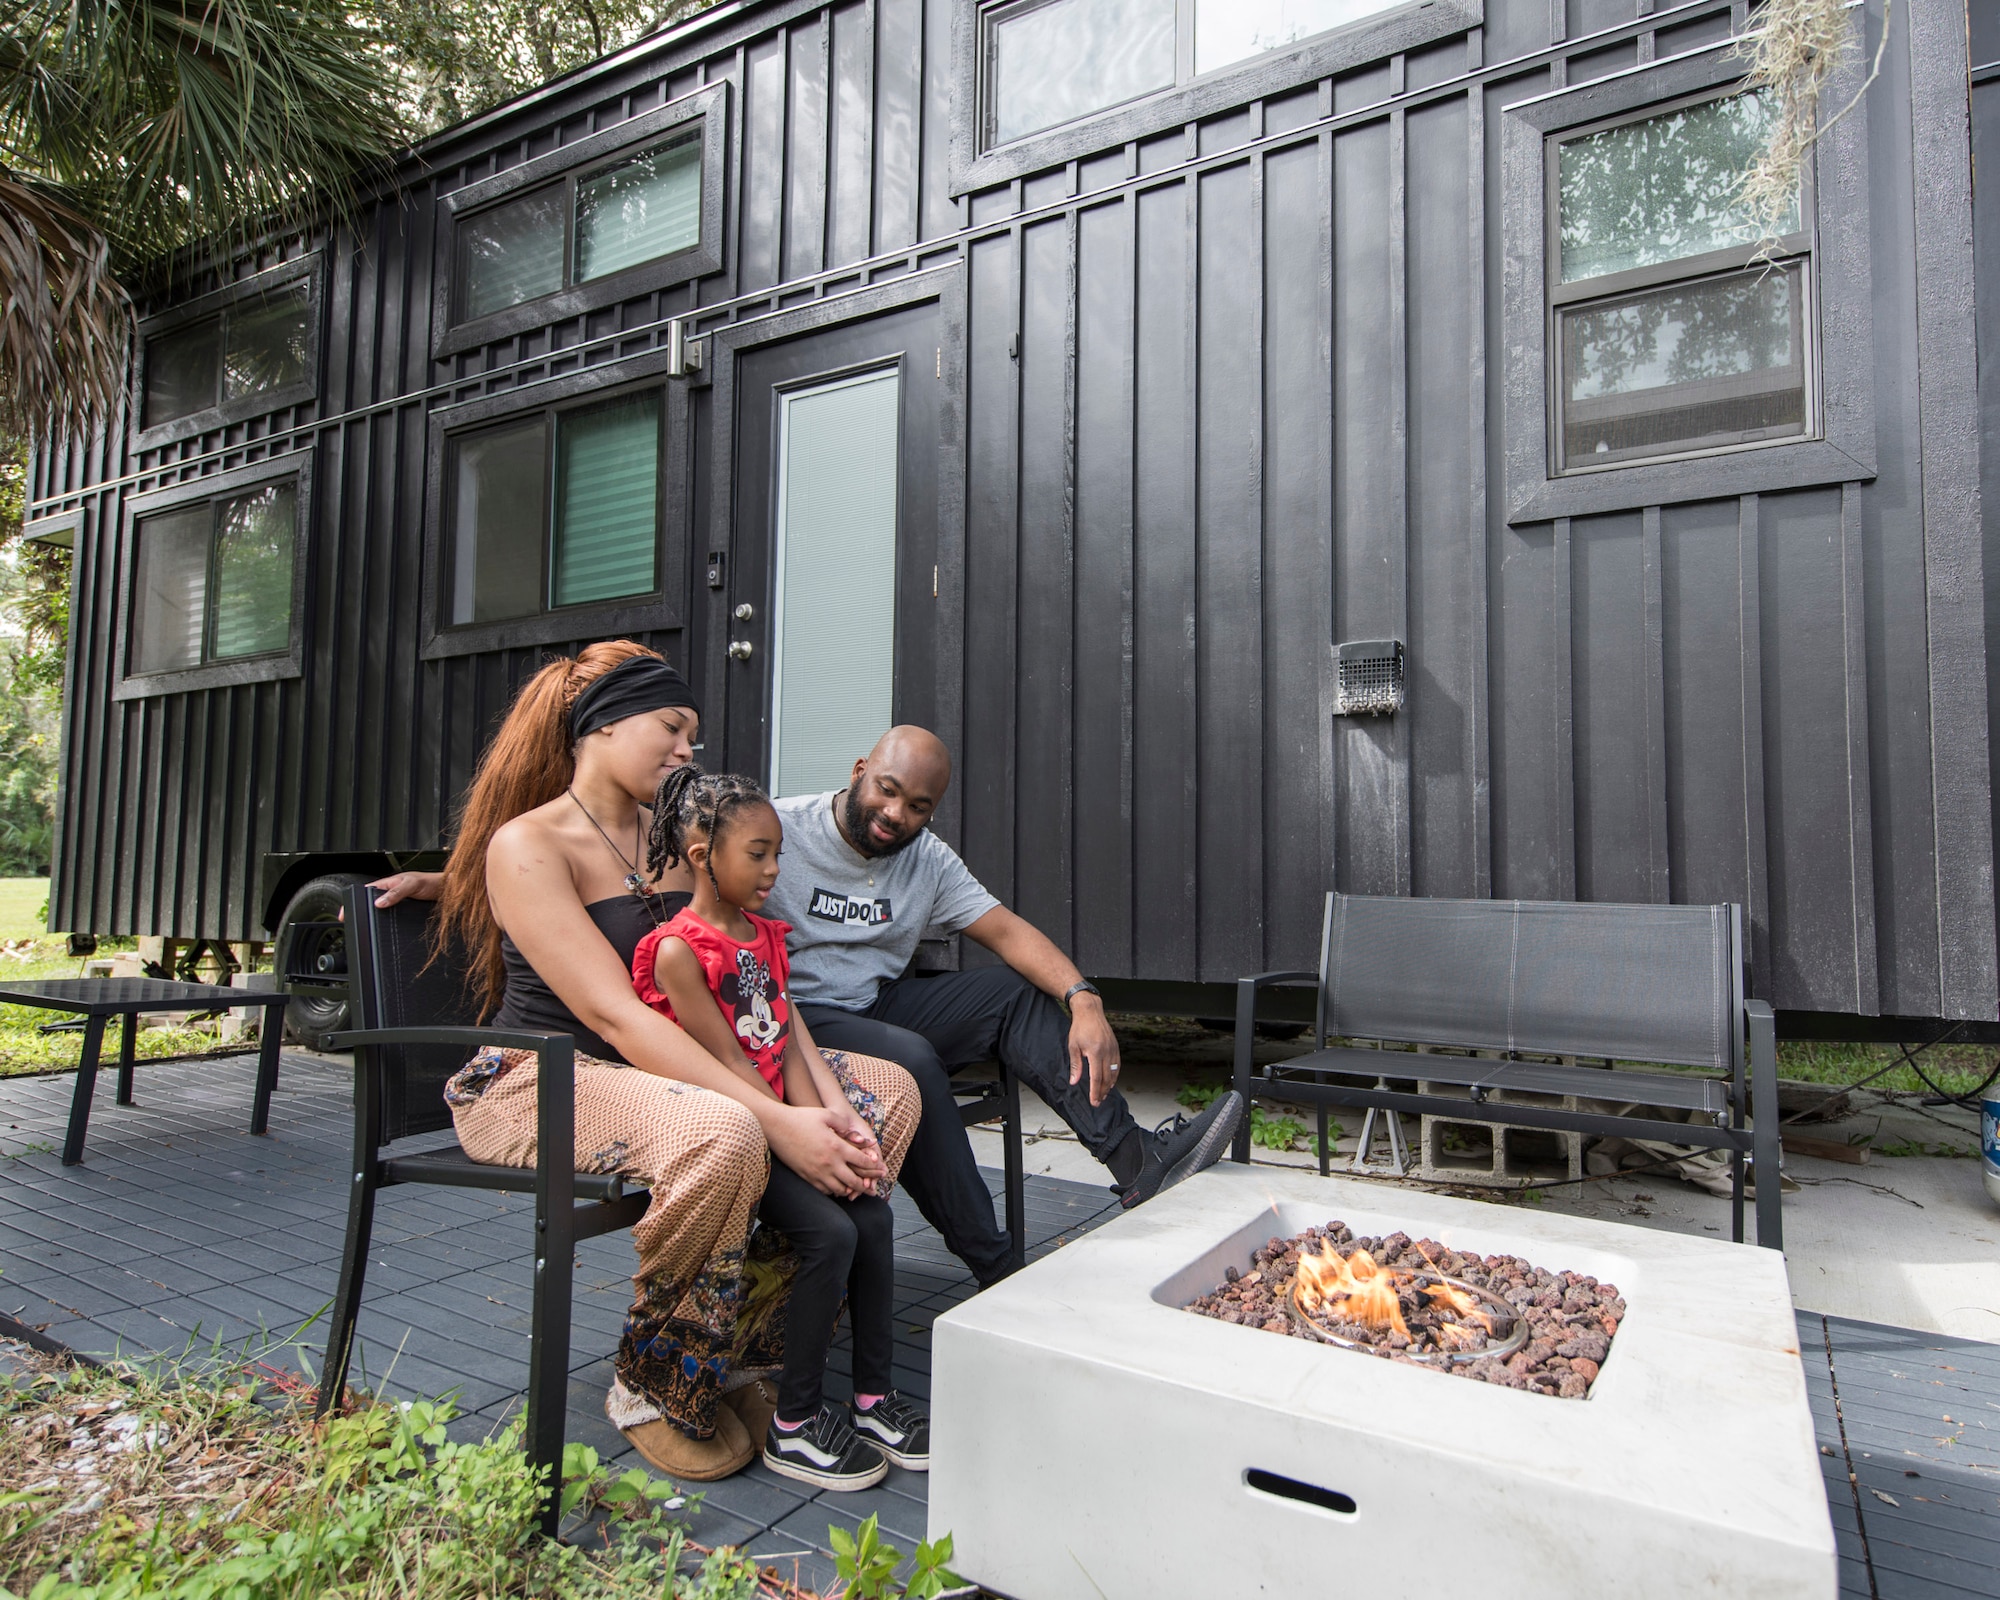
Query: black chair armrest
1247	990
499	1037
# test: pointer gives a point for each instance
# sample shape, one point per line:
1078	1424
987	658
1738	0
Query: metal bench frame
1743	1076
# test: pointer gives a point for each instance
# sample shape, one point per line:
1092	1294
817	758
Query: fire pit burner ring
1313	1328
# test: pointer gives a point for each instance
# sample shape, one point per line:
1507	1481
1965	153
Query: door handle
739	649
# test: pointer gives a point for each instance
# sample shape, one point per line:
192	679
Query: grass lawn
21	907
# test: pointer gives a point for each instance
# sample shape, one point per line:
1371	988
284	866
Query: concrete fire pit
1094	1440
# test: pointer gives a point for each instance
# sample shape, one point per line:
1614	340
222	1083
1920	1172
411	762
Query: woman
545	887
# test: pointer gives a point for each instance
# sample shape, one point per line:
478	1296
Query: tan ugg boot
755	1403
695	1460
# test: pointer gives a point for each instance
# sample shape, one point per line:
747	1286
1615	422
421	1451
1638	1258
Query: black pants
844	1247
934	1025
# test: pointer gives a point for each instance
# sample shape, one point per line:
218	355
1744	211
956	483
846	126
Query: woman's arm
826	1087
536	901
677	974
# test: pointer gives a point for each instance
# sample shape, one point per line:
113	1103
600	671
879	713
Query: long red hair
529	763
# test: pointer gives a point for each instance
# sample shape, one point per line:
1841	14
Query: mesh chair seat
1676	1091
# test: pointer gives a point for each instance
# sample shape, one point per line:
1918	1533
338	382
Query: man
863	880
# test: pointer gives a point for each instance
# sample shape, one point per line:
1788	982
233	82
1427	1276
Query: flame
1370	1292
1460	1304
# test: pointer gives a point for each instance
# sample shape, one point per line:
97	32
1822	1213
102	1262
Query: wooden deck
180	1225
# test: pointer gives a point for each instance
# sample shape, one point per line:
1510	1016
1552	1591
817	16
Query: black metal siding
1231	393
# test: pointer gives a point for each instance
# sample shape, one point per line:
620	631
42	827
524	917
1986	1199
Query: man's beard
859	836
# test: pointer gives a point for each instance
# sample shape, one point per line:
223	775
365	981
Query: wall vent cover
1371	678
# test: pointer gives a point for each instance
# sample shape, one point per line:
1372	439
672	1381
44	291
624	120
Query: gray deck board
180	1226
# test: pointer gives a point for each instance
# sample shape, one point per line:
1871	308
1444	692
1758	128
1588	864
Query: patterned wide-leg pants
708	1301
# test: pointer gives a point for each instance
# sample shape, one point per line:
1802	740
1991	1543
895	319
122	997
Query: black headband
634	686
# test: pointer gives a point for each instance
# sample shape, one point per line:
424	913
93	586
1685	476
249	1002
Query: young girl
719	970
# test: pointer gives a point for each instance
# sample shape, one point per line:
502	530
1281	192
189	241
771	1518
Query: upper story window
1674	332
616	214
554	509
212	579
1050	62
580	228
246	349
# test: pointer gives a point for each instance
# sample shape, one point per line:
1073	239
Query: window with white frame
213	580
554	509
1676	325
1050	62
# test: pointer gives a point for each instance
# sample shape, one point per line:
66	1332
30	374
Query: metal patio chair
416	1030
1511	978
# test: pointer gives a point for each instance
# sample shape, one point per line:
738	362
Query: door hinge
940	361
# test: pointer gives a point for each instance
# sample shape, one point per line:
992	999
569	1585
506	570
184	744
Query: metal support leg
555	1271
269	1037
1392	1124
347	1298
1016	1177
1325	1145
1246	1036
128	1044
1766	1163
86	1085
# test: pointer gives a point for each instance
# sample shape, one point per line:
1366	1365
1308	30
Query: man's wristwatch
1081	986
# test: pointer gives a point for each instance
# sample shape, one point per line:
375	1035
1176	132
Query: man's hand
1093	1047
399	886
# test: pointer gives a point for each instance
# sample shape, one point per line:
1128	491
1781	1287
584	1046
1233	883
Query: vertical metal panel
1297	543
899	43
1953	535
1229	630
1445	593
1371	758
761	224
1102	753
1612	687
1045	580
806	129
1164	802
849	189
987	763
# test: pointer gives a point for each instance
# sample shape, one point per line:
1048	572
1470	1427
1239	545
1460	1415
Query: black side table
99	999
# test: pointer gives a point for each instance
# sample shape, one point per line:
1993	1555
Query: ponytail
529	763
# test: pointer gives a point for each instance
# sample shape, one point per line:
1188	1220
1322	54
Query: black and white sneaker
898	1427
826	1453
1182	1147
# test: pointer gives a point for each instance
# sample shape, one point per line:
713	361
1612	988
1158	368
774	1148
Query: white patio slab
1093	1440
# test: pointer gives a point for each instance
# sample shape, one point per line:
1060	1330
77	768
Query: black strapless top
531	1004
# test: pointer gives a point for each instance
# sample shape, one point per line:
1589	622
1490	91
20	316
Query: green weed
866	1565
1268	1130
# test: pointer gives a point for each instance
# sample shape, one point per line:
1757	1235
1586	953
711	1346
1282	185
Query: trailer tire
314	1013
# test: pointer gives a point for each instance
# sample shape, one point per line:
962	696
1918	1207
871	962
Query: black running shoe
1182	1147
826	1453
898	1427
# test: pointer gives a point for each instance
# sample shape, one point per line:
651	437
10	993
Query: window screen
258	345
499	509
169	583
647	208
213	581
1228	31
254	549
1054	63
1678	326
833	680
511	253
607	501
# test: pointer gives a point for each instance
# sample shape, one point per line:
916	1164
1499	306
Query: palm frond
65	322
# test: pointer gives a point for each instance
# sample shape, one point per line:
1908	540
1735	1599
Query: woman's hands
817	1143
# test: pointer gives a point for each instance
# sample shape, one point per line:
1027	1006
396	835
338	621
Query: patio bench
1504	981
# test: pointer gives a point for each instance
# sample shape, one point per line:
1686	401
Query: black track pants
845	1247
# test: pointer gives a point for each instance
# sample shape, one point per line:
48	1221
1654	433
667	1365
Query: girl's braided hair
692	801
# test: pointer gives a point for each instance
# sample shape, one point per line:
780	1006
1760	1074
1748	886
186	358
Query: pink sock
789	1427
866	1402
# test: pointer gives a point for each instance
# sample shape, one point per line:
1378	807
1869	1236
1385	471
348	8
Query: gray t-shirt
856	921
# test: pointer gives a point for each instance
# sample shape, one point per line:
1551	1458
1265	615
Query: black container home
1278	443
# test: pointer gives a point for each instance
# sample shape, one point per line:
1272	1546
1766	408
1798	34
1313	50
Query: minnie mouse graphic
748	992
